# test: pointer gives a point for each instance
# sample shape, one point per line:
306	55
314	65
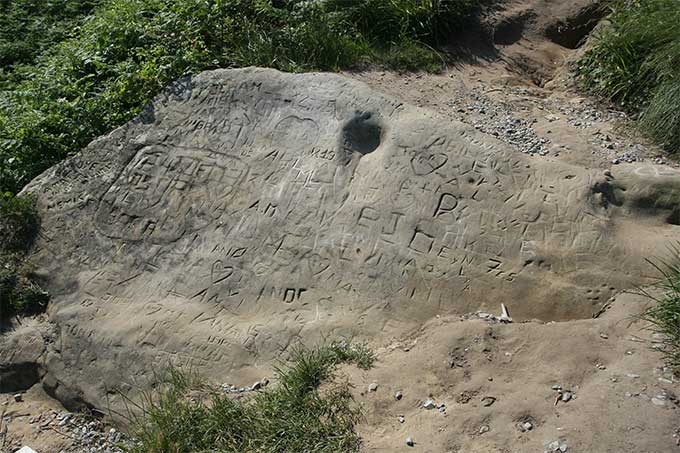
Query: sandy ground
494	377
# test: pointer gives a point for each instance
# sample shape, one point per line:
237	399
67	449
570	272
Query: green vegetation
28	27
635	63
127	51
19	225
664	317
186	415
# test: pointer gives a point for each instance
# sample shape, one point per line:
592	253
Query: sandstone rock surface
245	210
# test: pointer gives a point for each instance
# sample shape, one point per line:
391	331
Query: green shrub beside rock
19	225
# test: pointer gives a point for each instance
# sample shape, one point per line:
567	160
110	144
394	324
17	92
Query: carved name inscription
250	208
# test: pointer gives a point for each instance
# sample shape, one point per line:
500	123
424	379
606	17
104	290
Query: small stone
604	336
488	401
526	426
26	449
401	419
557	387
658	401
632	375
665	381
373	387
490	379
410	442
483	429
256	386
18	398
554	445
566	396
429	404
398	396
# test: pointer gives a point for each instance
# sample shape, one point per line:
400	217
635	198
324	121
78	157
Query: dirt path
590	386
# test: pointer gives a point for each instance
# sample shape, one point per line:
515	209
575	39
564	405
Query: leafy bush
635	62
390	22
664	317
186	415
19	224
27	27
128	50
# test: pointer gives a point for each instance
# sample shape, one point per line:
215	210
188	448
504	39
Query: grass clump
19	225
185	414
127	51
664	317
635	62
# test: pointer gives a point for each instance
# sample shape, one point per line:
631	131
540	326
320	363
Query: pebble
410	442
401	419
26	449
526	426
488	401
373	387
557	387
566	396
398	396
87	435
604	336
18	398
658	401
429	404
633	375
484	429
557	446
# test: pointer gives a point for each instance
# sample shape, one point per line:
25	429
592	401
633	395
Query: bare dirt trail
594	385
585	386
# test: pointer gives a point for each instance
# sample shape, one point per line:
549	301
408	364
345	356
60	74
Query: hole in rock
511	29
572	32
18	377
362	134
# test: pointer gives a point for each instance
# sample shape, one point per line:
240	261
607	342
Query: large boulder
245	210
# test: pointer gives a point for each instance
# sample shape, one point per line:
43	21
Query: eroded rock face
247	209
